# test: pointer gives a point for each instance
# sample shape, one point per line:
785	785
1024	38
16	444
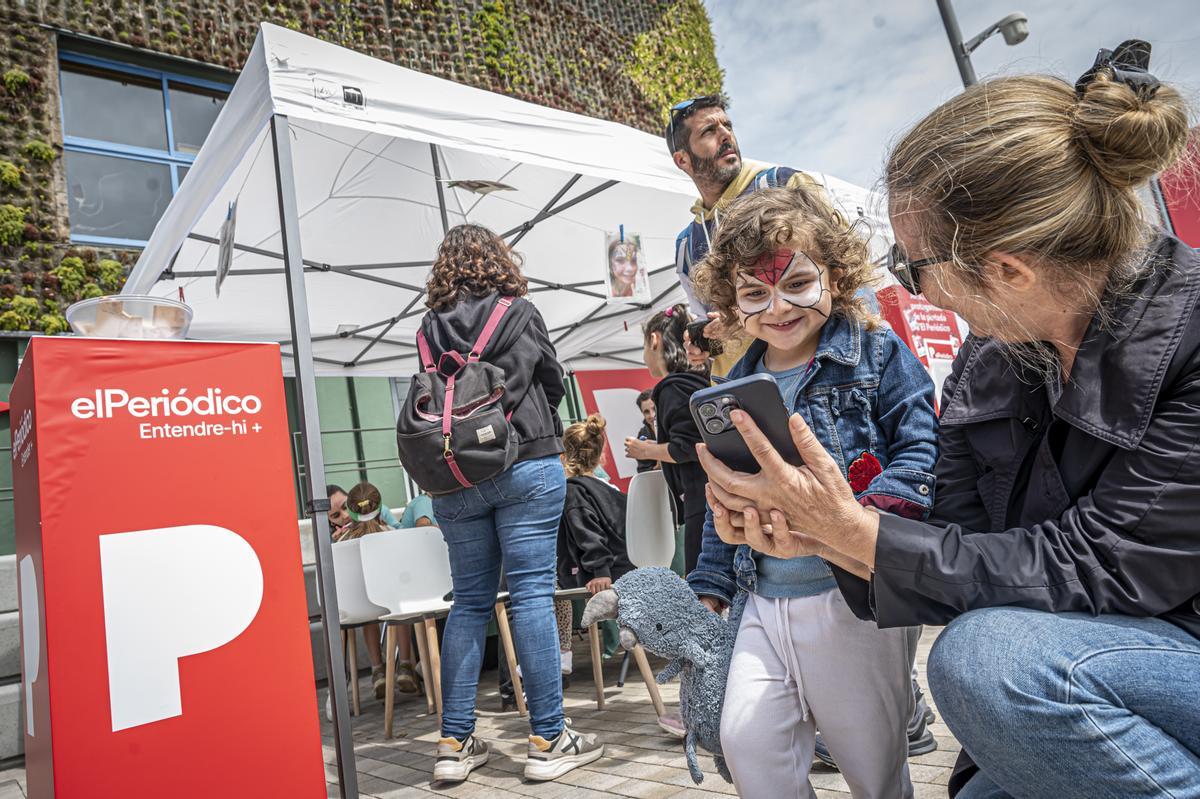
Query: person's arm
589	535
904	408
714	574
548	370
905	487
641	450
675	418
1129	546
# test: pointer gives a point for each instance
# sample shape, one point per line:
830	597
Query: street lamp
1014	28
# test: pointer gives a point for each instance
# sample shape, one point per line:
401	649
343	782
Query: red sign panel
165	641
932	334
612	393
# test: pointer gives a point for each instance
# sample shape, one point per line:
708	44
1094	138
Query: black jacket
677	429
645	433
521	347
1082	500
591	534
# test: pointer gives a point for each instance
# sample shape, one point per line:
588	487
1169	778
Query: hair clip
1128	64
669	312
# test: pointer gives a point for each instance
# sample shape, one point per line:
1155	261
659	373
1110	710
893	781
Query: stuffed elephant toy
656	608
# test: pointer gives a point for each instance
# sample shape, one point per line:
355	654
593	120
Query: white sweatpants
806	664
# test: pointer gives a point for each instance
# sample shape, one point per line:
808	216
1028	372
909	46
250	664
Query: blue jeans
511	518
1070	705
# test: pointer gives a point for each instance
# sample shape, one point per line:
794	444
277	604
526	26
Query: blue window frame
130	134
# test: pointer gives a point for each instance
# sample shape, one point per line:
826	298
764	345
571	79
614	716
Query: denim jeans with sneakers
1069	705
511	518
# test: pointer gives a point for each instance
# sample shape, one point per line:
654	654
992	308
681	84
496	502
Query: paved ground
640	762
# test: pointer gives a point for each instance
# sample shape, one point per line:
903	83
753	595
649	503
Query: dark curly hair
670	324
472	261
760	222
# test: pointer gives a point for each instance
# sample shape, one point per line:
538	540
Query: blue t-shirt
421	505
790	577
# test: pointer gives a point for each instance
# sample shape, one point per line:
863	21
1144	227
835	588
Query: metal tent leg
314	473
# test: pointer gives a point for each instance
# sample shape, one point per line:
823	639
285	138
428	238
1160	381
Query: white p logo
170	593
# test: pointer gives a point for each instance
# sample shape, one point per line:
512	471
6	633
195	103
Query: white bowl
130	316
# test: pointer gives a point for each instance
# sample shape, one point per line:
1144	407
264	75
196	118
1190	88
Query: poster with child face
625	273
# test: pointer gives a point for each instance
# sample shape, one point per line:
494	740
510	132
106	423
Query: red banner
165	641
612	393
1181	192
932	334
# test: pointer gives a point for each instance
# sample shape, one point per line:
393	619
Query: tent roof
373	193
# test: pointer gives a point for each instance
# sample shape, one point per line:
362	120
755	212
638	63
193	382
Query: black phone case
757	395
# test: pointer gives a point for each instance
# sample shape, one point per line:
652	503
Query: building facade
105	103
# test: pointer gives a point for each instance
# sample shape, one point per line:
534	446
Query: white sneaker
549	760
568	661
456	759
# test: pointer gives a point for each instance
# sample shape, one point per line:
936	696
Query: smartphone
757	395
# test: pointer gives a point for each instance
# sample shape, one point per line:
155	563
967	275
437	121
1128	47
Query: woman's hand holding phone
813	500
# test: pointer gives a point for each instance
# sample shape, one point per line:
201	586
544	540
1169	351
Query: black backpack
452	431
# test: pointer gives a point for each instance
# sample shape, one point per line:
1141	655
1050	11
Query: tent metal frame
550	209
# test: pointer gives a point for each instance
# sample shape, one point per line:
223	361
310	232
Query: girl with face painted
787	270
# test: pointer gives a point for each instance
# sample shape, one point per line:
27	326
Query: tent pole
437	181
317	503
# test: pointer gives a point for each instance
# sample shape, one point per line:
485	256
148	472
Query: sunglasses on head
680	111
906	272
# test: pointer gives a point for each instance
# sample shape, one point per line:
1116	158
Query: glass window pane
115	197
193	112
181	173
112	106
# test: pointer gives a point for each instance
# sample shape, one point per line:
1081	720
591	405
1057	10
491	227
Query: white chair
354	606
650	541
649	524
408	573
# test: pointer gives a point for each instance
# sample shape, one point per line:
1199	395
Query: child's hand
713	604
598	584
635	448
727	523
814	499
696	357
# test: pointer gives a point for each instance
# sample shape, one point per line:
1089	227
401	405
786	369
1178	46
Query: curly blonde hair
583	446
473	261
761	222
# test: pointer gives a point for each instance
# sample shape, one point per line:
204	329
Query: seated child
363	505
787	269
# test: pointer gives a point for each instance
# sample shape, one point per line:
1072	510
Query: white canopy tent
375	148
342	166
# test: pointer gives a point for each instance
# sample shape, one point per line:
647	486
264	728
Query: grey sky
827	85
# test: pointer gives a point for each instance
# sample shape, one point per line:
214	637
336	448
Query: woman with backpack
481	331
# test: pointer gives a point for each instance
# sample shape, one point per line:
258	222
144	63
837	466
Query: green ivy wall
625	60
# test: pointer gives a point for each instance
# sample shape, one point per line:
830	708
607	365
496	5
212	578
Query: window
130	135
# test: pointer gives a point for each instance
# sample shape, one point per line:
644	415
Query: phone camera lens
714	426
708	410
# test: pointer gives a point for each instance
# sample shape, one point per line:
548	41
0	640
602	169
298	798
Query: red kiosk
164	626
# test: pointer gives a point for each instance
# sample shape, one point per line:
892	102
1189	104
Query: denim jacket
865	393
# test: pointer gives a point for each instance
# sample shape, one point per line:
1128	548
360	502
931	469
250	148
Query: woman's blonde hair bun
1129	136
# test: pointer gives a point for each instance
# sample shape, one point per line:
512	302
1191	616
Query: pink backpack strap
423	350
447	453
502	305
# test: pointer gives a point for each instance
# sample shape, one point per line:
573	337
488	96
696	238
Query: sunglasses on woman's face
906	272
